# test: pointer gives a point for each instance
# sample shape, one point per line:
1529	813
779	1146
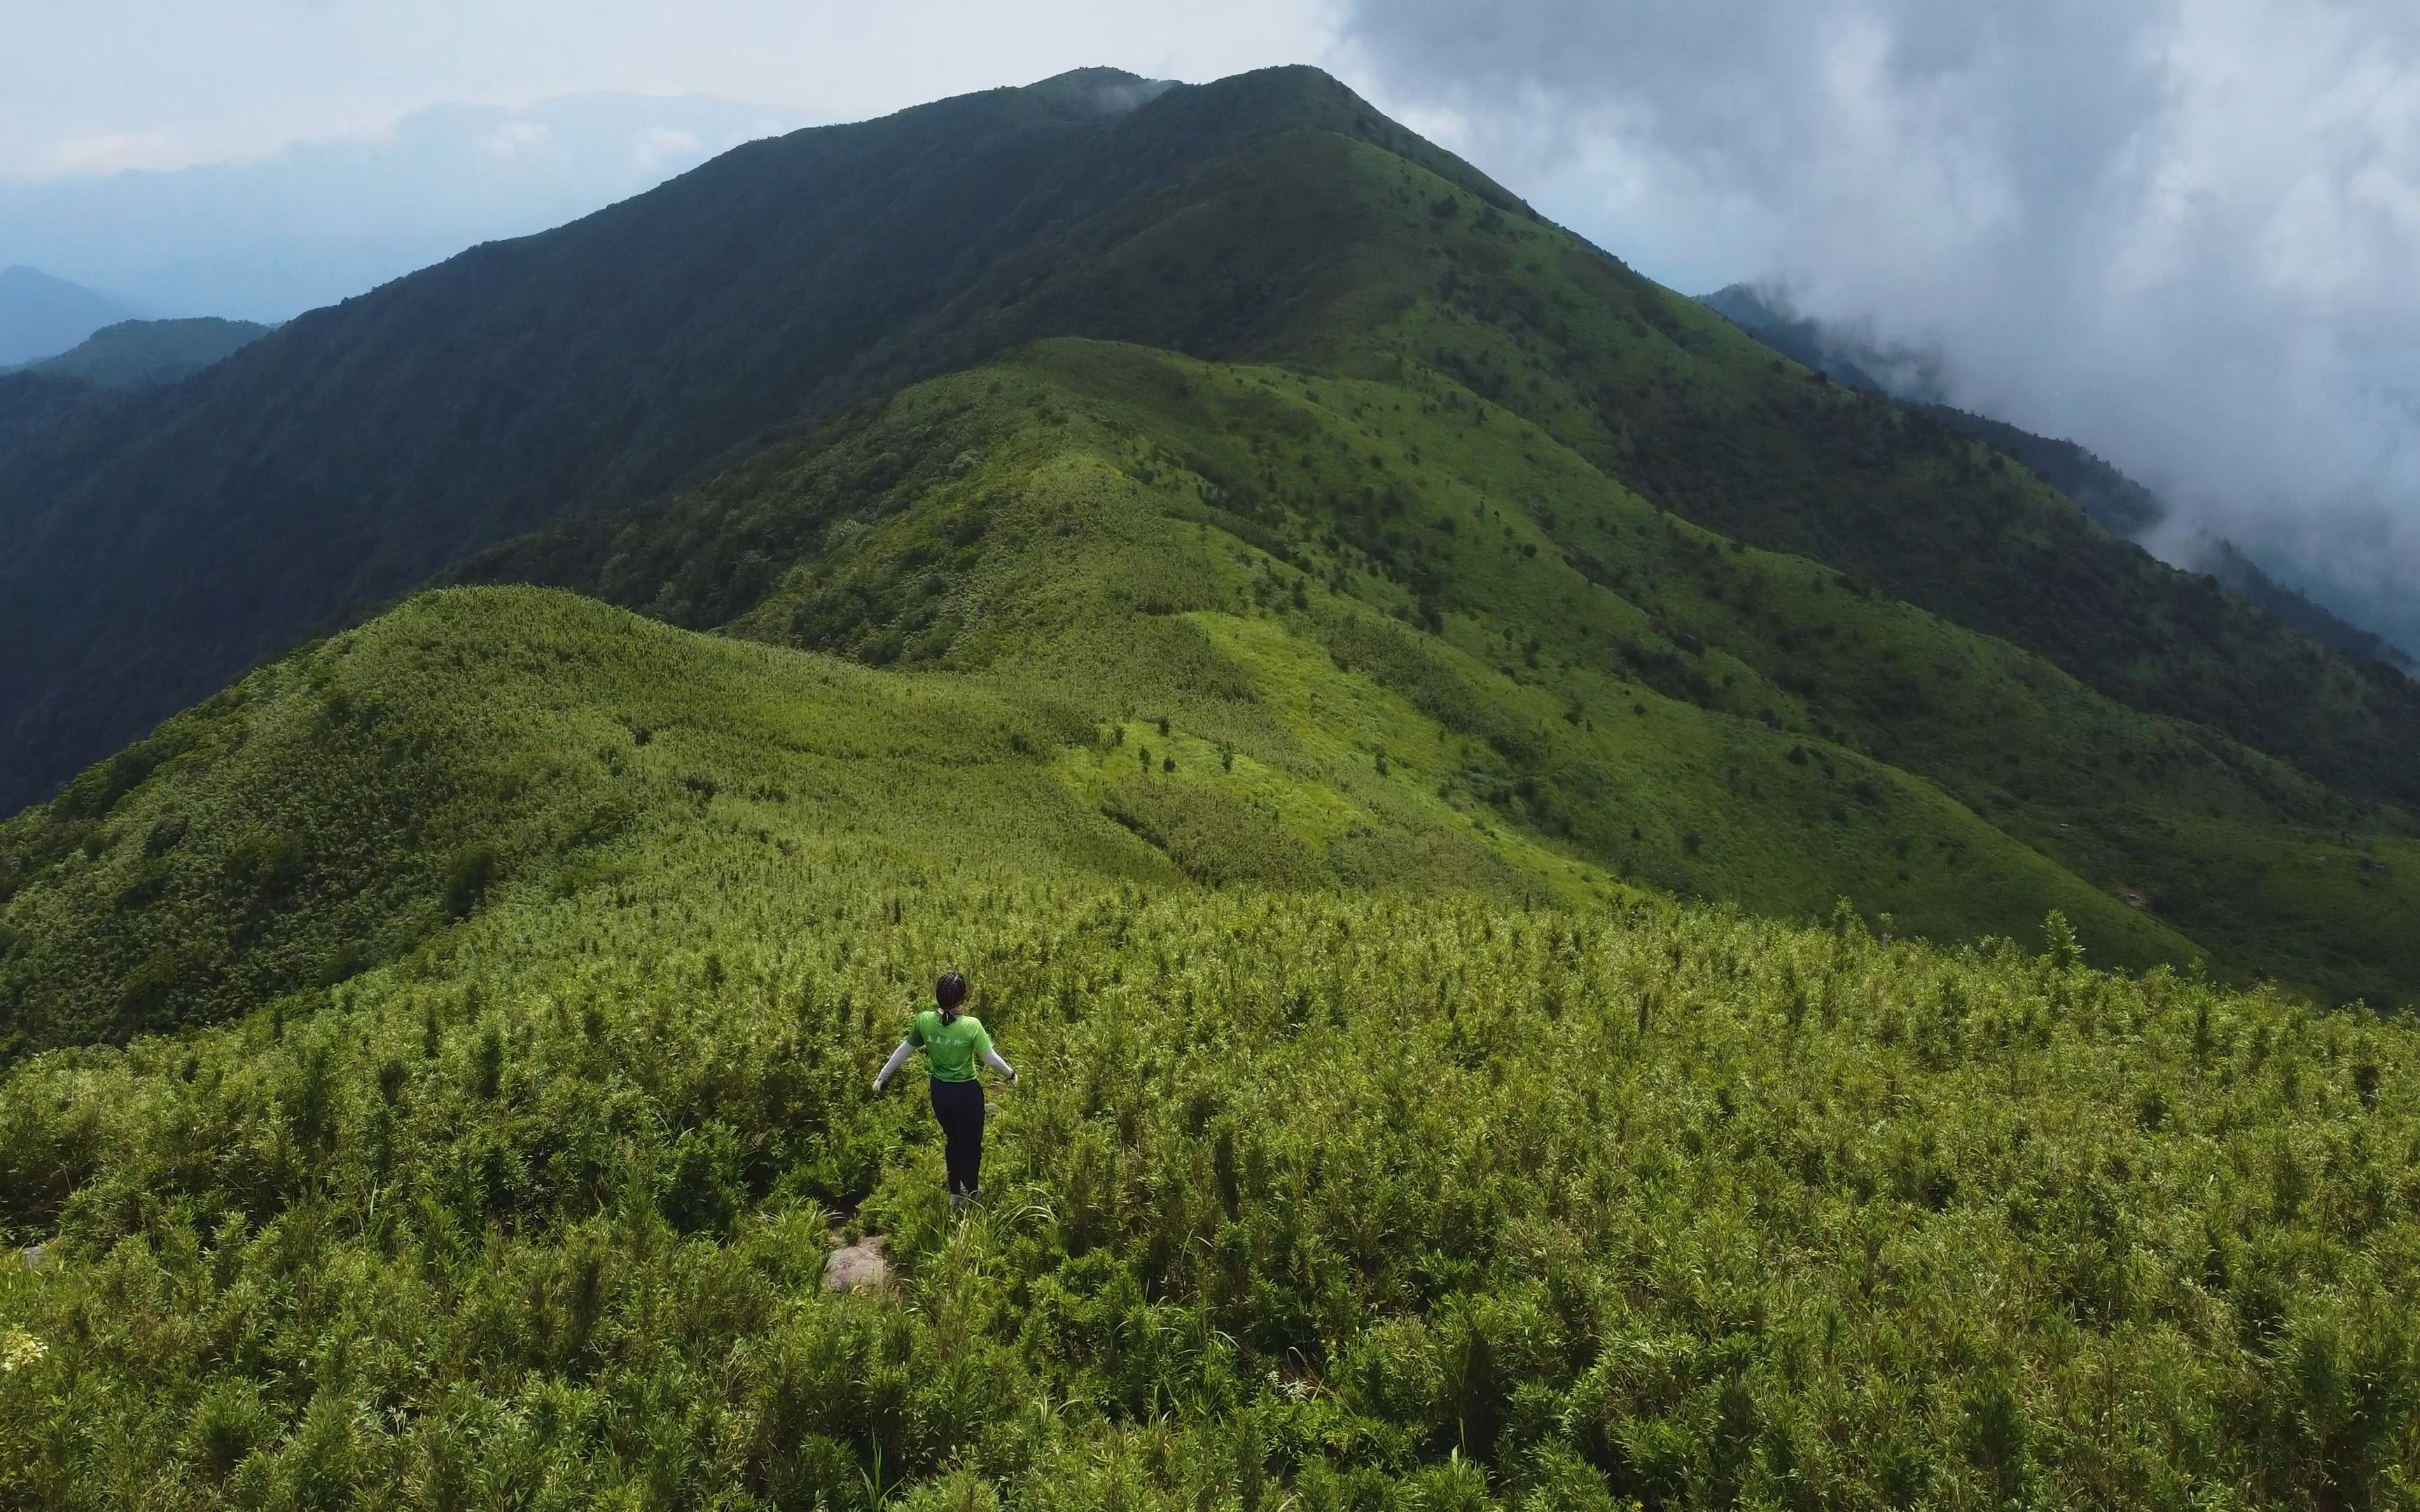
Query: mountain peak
1098	92
42	314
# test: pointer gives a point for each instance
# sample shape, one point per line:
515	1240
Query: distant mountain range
141	353
321	221
2121	505
41	316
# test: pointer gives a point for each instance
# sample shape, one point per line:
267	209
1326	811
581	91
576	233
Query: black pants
958	1108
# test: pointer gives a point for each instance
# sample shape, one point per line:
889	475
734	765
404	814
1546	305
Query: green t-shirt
951	1049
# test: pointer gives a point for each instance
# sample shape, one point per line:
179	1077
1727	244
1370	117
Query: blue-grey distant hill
2121	505
135	354
41	316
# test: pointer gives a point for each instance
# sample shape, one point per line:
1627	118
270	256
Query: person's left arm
991	1057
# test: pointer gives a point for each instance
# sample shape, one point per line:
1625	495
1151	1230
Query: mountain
572	1164
2227	562
140	353
796	276
2115	502
1588	920
2189	759
1694	716
1847	357
41	316
315	223
358	449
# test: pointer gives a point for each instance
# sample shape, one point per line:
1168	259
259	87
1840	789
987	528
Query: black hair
950	992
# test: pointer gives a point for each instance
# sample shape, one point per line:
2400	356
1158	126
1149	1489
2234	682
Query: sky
2181	232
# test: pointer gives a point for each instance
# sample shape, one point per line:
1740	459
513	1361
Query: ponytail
950	992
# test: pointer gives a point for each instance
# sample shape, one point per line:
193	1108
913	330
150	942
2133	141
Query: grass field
1402	569
1333	1178
1525	1001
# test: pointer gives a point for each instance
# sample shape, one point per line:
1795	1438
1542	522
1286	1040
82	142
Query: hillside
139	353
2229	564
2114	501
360	447
33	404
1702	718
1267	218
561	945
1590	920
338	809
41	316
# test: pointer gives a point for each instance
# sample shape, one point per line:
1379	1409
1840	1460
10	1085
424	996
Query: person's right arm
898	1058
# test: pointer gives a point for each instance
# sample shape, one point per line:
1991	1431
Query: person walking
954	1042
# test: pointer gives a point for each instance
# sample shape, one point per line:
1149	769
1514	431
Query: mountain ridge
41	316
291	444
1300	237
1760	669
2118	502
146	354
1587	918
341	384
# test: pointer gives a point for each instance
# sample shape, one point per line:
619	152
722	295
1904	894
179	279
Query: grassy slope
1269	216
162	546
338	809
1333	253
1699	718
1354	1200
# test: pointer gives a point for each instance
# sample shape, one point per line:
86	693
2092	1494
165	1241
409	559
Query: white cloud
2180	231
654	147
115	152
517	139
243	78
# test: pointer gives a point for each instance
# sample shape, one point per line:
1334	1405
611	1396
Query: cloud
317	220
515	139
2180	231
656	145
115	152
241	79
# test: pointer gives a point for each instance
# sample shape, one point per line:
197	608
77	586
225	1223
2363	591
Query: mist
2184	234
317	220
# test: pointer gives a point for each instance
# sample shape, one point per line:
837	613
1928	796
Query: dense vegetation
2114	501
1702	719
1351	1197
1518	991
160	549
1271	217
137	353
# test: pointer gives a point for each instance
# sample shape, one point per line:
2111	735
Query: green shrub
469	873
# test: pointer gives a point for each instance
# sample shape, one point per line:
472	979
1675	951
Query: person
954	1042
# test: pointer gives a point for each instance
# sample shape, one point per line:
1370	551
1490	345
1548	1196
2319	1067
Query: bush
469	873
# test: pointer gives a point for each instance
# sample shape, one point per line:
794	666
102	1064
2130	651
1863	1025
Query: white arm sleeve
991	1058
898	1058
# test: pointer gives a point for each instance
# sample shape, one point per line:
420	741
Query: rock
863	1266
33	1255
